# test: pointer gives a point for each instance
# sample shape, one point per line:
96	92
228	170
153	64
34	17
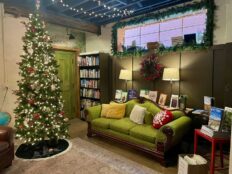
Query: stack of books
219	125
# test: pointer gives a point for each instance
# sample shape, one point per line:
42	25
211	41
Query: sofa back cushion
151	107
116	111
105	108
148	118
137	114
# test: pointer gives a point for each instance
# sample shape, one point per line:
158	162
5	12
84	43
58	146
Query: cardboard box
185	168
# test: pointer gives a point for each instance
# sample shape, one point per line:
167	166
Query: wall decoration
162	99
150	67
153	95
144	93
174	103
158	16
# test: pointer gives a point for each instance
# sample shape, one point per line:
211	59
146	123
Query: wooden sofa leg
89	131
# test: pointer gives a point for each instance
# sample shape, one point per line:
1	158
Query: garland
208	35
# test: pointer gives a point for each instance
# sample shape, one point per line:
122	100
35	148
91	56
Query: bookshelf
94	80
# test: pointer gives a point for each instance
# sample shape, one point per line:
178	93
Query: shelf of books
94	79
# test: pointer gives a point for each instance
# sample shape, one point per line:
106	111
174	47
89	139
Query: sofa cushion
144	132
137	114
104	109
129	106
162	118
123	125
148	118
103	123
116	111
3	146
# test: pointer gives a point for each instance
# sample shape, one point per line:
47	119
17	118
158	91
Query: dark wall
202	73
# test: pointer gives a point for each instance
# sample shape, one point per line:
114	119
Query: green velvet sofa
143	137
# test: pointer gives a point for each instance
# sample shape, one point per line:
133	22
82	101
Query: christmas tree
39	114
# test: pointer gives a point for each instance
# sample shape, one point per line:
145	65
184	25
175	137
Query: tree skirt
82	158
43	149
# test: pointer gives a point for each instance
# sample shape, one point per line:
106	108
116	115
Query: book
215	118
153	95
124	97
118	95
162	99
132	94
212	133
144	93
174	103
227	120
208	103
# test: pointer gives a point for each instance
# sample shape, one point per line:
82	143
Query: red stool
214	142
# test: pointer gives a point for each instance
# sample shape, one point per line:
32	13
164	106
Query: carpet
81	158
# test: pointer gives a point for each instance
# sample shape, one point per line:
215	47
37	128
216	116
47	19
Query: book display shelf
94	79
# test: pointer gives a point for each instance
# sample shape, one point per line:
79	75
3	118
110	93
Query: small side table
214	142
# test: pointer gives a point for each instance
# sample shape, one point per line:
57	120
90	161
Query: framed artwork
124	97
144	93
174	103
118	95
153	95
132	94
162	99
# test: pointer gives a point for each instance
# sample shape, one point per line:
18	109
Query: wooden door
67	75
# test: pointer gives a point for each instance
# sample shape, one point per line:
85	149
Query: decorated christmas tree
39	114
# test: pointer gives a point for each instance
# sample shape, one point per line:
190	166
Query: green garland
208	35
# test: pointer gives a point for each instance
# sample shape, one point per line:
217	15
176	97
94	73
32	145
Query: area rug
82	158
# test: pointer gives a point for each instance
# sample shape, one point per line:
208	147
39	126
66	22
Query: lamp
171	74
125	75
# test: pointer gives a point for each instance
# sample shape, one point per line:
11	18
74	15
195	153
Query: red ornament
30	70
36	116
21	126
62	113
31	101
33	29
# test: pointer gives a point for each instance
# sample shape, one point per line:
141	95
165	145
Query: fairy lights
116	12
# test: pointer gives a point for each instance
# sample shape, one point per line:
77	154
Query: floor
78	128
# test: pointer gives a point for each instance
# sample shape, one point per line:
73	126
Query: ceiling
87	15
105	11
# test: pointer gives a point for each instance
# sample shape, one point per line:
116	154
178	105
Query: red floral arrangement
150	67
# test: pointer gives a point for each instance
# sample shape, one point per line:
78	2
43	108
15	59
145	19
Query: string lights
116	12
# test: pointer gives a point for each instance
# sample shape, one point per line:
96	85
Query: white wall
99	43
223	16
222	32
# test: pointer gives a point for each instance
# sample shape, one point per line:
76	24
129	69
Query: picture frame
208	103
132	93
153	95
124	97
144	93
174	102
162	99
118	95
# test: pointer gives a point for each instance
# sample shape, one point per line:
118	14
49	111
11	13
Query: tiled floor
78	128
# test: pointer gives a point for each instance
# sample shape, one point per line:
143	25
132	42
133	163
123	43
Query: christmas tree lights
39	114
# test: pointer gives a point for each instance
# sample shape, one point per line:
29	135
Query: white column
228	21
2	74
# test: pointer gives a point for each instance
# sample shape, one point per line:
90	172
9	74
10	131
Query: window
168	32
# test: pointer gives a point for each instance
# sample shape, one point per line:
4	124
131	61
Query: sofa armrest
176	129
93	112
6	134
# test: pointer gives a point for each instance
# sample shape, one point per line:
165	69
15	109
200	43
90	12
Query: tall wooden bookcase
95	81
